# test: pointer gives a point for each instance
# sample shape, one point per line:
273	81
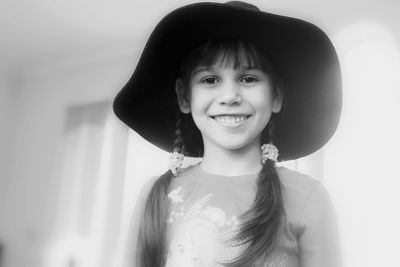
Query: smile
230	120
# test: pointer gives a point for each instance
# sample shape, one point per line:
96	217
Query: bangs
229	53
223	53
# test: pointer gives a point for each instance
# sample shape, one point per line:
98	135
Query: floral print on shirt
202	235
197	236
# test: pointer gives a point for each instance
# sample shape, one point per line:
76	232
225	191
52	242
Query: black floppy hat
303	54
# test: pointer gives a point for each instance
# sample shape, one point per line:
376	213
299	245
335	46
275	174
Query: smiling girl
232	84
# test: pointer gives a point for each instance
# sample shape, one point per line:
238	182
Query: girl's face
230	106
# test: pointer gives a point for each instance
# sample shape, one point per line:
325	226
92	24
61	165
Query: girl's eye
209	80
248	79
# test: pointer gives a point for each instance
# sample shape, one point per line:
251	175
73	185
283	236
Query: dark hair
261	223
229	53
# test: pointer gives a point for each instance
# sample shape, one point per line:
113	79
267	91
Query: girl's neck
231	162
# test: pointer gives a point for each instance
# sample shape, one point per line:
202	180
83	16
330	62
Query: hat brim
304	55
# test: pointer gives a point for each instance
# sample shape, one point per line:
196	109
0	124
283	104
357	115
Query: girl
232	84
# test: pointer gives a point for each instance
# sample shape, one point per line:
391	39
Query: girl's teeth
230	119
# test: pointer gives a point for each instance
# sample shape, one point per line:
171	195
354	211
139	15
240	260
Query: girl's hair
261	223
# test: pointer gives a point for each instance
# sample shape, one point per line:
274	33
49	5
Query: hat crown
242	5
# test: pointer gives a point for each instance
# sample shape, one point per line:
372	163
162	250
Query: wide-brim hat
303	54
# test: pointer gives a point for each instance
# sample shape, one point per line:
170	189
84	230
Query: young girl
232	84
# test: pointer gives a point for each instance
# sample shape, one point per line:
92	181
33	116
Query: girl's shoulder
302	193
294	180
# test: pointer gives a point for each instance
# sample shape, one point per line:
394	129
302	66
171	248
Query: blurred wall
32	117
6	125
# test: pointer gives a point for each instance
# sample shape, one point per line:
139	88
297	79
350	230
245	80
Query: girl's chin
231	144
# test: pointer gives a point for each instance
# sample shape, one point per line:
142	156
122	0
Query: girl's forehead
225	60
234	58
218	67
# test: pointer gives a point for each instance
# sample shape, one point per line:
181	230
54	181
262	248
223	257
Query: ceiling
41	32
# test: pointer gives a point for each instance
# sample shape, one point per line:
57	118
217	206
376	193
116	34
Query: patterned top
204	215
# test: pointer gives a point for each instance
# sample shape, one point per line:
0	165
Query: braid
267	133
151	242
152	232
178	142
262	221
189	135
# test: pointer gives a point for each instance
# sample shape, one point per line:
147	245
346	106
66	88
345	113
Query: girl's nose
230	95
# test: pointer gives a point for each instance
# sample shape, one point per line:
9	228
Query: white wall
6	111
32	116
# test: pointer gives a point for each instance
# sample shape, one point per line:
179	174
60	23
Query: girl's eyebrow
200	69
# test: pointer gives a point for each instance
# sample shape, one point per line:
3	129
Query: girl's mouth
230	120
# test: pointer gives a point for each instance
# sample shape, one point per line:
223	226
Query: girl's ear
182	97
277	103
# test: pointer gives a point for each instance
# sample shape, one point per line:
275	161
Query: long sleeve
319	238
